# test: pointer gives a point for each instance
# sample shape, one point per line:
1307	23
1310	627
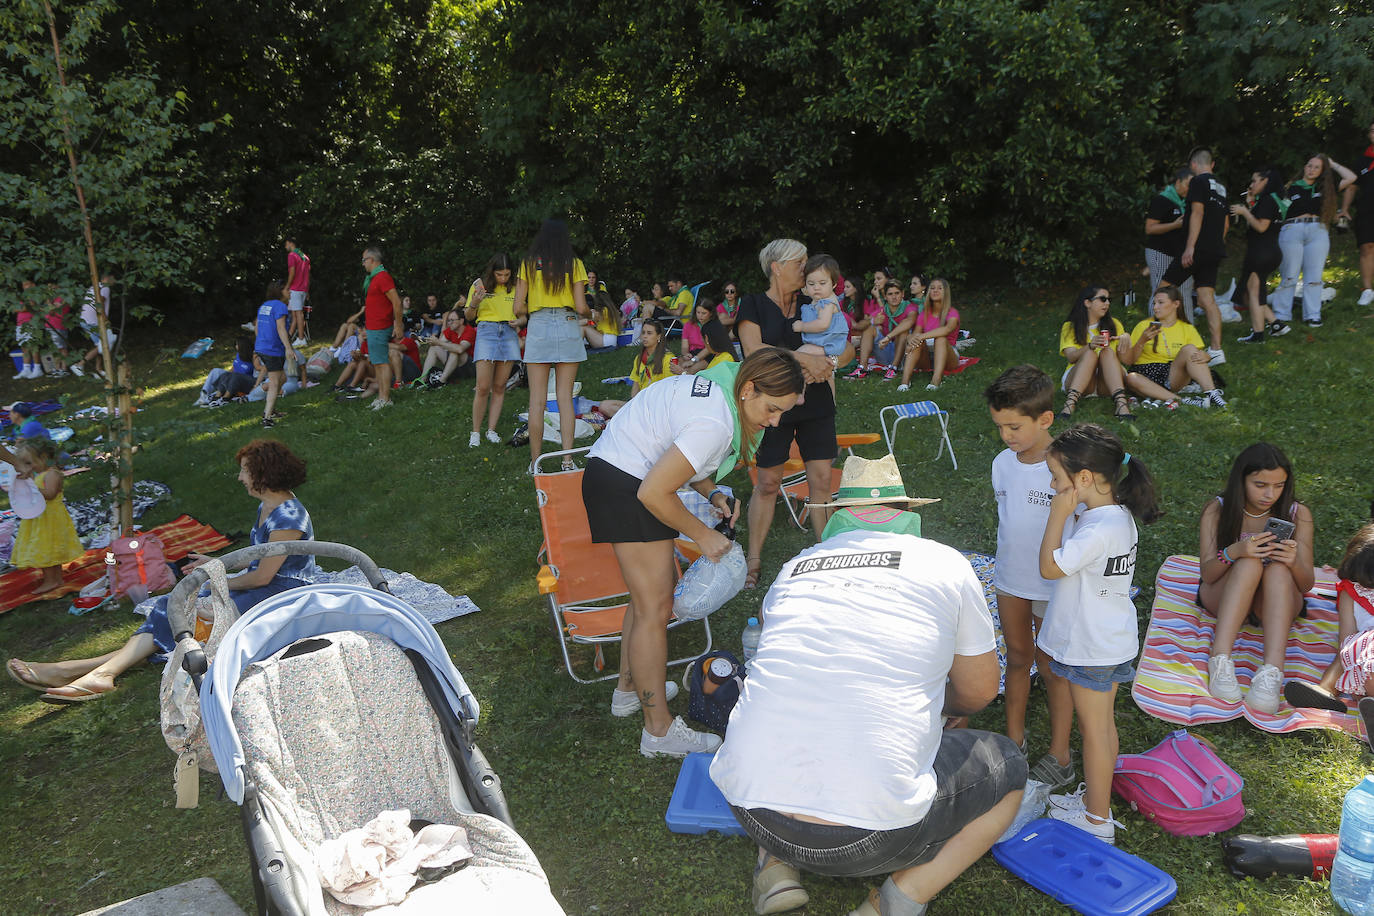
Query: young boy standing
1021	402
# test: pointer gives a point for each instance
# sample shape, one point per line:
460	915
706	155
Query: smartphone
1155	325
1280	528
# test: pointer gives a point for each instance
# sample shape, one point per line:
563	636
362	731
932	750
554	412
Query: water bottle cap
754	621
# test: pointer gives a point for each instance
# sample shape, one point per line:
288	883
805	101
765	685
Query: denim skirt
554	336
497	341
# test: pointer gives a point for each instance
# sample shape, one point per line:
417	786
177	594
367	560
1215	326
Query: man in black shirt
1205	244
1165	233
1362	194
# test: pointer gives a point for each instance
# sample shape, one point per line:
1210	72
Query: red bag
139	560
1182	785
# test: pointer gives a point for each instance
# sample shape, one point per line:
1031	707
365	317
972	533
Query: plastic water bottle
749	641
1353	869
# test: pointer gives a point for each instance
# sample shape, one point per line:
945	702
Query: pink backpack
1182	785
139	560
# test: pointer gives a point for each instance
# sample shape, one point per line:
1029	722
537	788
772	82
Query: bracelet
714	493
1225	557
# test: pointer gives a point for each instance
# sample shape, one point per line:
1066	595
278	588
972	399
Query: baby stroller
329	704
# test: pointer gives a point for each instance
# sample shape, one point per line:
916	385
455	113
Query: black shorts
273	363
614	513
974	771
1262	264
1203	272
1364	224
815	441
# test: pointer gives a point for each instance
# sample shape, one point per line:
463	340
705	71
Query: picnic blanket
37	408
179	537
1171	679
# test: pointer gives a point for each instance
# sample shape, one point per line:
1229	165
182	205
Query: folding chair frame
915	411
592	611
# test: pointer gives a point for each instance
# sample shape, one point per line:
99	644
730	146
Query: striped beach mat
1171	679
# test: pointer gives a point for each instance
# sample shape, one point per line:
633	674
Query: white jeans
1304	247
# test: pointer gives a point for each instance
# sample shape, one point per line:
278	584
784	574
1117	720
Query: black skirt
614	513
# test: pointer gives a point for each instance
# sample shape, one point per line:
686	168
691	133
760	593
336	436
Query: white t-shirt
1023	493
1091	619
88	314
688	411
840	717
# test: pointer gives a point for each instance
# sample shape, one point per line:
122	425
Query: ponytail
1093	448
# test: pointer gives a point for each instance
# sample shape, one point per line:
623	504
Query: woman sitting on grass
270	472
1255	541
1093	342
654	363
1165	352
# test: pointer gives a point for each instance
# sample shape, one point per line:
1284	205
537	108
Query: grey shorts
974	771
554	336
297	302
497	341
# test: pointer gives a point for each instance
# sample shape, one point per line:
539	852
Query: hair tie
1125	459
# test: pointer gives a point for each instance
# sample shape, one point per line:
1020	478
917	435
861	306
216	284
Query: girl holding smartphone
1255	544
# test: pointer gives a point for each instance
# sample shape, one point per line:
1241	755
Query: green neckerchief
1283	204
728	310
919	303
725	375
1301	183
368	281
304	256
1171	195
892	318
845	519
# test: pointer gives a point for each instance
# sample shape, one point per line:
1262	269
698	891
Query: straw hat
869	483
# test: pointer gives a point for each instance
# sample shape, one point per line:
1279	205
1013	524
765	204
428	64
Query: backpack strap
1160	770
1181	740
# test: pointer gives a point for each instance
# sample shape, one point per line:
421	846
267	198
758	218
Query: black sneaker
1277	328
1252	337
1312	322
268	423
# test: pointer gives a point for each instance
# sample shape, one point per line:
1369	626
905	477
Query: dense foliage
968	136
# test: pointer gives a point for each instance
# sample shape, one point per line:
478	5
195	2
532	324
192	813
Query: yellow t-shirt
539	297
682	301
498	305
645	375
1167	345
607	323
1066	335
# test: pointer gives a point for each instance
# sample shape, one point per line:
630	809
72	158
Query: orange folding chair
795	491
587	595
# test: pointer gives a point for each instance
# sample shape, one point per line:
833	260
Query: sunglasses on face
731	292
1100	299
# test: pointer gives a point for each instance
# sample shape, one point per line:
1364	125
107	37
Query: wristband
715	493
1225	557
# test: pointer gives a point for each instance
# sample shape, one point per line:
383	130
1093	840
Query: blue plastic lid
1081	871
754	621
697	805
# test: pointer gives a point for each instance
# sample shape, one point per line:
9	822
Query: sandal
1070	402
568	463
22	674
1123	405
751	575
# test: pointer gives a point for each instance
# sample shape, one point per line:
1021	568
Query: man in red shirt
298	284
382	321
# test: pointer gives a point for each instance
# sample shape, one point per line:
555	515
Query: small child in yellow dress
48	541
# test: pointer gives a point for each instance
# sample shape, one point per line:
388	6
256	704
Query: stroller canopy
301	613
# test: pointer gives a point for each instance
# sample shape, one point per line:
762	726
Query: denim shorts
974	771
377	349
554	336
1101	678
497	341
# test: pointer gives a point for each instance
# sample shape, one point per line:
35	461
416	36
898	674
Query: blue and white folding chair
896	413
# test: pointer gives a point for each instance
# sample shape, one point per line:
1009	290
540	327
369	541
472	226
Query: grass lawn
87	796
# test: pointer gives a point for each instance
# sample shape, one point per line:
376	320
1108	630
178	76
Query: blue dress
295	571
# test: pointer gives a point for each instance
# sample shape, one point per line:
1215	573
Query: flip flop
86	696
1303	695
24	677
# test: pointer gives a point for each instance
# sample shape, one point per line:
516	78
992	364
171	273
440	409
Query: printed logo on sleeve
890	559
701	387
1122	565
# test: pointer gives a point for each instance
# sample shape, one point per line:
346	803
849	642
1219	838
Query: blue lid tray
1082	872
697	805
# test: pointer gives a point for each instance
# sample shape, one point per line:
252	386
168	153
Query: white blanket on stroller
378	863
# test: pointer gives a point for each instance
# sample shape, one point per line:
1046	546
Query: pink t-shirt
300	280
691	335
876	313
930	319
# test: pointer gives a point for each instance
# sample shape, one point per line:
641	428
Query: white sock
896	903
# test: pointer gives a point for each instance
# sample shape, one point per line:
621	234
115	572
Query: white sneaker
493	437
1080	818
1190	388
36	371
903	387
1263	695
299	342
1221	678
379	404
22	373
1367	297
474	440
1070	801
678	742
1215	357
932	387
626	702
77	370
249	326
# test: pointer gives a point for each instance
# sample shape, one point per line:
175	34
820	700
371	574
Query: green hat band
871	492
